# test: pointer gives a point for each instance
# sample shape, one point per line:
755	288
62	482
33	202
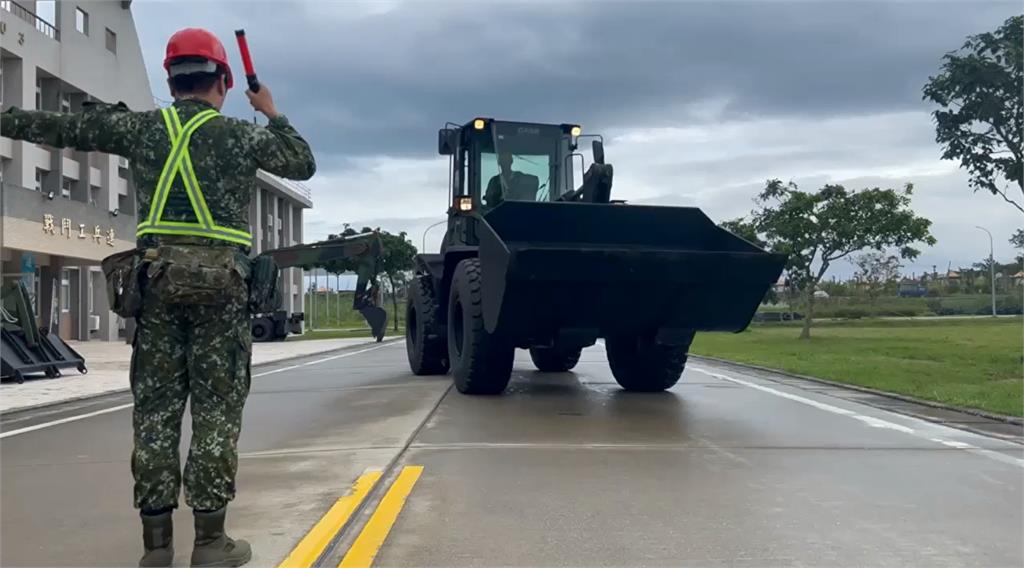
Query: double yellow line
371	538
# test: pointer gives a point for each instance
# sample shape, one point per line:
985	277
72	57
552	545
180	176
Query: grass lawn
973	363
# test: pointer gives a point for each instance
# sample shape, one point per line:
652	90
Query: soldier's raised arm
98	127
278	148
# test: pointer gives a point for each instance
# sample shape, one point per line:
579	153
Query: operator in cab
509	184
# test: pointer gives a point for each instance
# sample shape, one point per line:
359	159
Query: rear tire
262	330
424	337
554	359
640	365
481	362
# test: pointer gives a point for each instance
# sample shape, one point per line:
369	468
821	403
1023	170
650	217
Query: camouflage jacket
226	154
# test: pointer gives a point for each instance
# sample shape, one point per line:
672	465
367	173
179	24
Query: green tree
1002	271
1017	240
875	272
396	262
981	118
743	229
818	228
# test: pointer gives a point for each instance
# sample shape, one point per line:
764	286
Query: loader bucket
553	268
377	319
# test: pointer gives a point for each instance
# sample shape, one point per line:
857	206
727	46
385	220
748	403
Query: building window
65	103
82	21
111	41
65	187
65	290
39	179
39	93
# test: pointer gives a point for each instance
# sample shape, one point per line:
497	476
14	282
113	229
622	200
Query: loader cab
494	161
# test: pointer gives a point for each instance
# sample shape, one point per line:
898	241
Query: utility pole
991	269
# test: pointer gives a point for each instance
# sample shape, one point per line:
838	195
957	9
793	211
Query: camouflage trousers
182	351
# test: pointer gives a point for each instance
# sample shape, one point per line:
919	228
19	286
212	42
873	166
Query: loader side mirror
447	140
598	148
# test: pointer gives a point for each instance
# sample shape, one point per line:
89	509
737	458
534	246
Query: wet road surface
347	458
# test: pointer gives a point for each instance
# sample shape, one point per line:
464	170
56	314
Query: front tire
554	359
641	365
481	362
424	337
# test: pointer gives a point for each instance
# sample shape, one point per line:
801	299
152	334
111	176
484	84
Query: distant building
63	211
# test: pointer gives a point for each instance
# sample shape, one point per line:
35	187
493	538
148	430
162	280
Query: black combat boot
158	539
215	548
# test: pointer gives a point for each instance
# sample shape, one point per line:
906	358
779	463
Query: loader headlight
478	124
465	204
576	131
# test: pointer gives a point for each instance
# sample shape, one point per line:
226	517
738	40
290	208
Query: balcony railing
294	186
44	27
301	189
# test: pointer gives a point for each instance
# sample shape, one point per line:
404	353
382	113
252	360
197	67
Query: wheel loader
531	261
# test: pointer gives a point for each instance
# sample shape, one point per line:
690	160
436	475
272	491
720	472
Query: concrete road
729	468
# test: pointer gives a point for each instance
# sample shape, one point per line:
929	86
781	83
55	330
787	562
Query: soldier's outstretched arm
98	127
279	148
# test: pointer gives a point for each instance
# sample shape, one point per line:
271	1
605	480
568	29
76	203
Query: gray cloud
381	78
700	102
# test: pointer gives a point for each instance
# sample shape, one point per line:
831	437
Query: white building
63	211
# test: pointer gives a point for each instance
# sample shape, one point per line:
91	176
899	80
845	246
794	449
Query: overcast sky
699	102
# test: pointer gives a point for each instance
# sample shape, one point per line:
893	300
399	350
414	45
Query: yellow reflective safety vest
179	164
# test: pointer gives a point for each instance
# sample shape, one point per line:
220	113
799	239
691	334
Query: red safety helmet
197	42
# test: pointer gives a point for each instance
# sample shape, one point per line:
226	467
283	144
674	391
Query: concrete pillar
287	279
107	165
285	212
19	91
49	280
15	261
253	222
257	225
275	233
80	303
299	295
108	320
126	202
14	84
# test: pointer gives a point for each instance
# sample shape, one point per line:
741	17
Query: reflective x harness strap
179	163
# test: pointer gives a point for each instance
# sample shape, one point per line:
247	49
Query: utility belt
189	275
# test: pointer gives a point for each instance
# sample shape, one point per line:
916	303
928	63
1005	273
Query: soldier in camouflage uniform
195	171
